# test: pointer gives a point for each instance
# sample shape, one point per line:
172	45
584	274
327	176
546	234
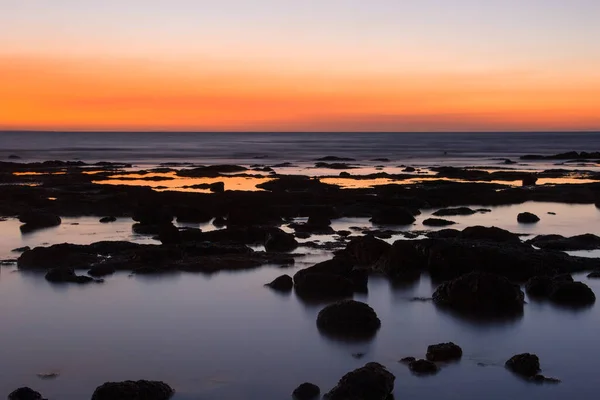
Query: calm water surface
225	336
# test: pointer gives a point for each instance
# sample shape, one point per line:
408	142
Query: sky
302	65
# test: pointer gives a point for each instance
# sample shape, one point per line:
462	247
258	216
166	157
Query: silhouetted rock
480	294
34	220
323	285
193	215
131	390
404	260
572	294
366	250
437	222
283	283
25	393
407	360
152	215
306	391
527	218
106	220
423	367
334	158
409	169
21	249
63	275
14	157
219	222
371	382
529	180
492	233
544	379
561	243
525	364
443	234
211	171
348	318
447	212
594	275
393	216
278	240
444	352
542	286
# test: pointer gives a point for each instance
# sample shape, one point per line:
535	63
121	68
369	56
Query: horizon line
286	132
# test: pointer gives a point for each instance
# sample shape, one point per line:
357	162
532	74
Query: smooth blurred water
225	336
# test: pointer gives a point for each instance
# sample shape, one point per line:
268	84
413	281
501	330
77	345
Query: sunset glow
183	65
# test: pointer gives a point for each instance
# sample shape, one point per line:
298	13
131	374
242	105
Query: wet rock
283	283
437	222
278	240
63	275
211	171
333	165
484	210
25	393
480	294
544	379
152	215
334	158
345	174
443	234
594	275
193	215
444	352
296	183
106	220
35	220
366	250
348	318
21	249
132	390
525	364
168	234
447	212
542	286
404	260
219	222
101	270
527	218
492	233
407	360
529	180
423	367
323	285
409	169
393	216
561	243
371	382
306	391
302	235
572	294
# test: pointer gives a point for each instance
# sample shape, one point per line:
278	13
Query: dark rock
480	294
544	379
219	222
525	364
334	158
211	171
393	216
348	318
492	233
21	249
217	187
25	393
424	367
106	220
404	260
594	275
133	390
444	352
343	233
409	169
151	215
527	218
345	174
407	360
283	283
101	270
437	222
302	235
382	159
278	240
169	234
34	220
484	210
529	180
333	165
306	391
572	294
323	285
63	275
561	243
447	212
371	382
193	215
366	250
14	157
444	234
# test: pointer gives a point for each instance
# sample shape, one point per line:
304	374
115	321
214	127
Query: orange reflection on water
38	173
179	183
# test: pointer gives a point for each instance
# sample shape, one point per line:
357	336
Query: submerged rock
437	222
106	220
283	283
446	212
306	391
133	390
348	318
34	220
424	367
444	352
25	393
480	294
371	382
63	275
525	364
527	218
594	275
393	216
21	249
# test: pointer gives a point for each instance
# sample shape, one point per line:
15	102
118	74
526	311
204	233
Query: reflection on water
226	336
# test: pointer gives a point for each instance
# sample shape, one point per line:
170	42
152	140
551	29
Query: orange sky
94	78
